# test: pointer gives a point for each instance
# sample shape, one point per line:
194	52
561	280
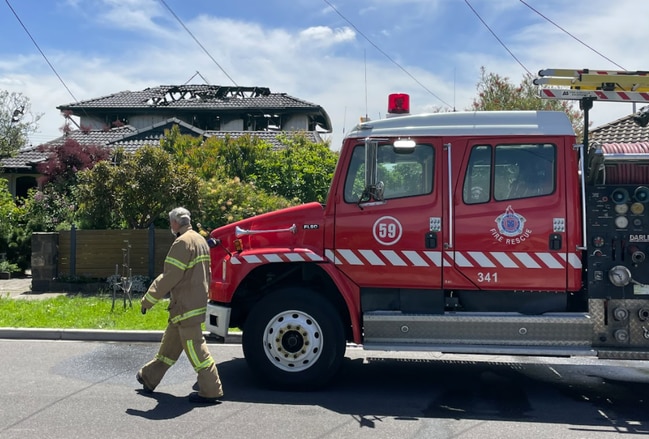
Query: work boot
195	398
140	380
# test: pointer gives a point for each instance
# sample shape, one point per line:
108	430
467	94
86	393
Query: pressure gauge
621	209
621	222
637	208
598	241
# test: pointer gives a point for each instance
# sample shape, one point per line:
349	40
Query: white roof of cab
469	123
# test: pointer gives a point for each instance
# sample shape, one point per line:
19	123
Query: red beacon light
398	104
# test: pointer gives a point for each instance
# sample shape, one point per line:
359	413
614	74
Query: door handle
555	241
431	240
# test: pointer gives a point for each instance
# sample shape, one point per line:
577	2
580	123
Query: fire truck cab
452	232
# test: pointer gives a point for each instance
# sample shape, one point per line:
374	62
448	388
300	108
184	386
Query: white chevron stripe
482	260
234	260
252	259
526	260
573	260
414	257
314	256
372	257
460	260
549	260
504	260
294	257
332	256
272	257
392	256
436	258
350	257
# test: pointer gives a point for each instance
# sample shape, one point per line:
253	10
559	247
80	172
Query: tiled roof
623	130
28	157
93	137
212	97
24	160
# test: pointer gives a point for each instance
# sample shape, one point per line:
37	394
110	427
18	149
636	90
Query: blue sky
345	55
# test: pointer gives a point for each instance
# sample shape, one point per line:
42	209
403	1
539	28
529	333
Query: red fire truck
467	232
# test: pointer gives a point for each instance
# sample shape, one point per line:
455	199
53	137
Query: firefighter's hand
143	309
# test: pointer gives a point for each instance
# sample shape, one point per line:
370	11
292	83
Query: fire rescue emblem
510	223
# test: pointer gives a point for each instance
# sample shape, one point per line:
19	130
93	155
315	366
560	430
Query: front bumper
217	319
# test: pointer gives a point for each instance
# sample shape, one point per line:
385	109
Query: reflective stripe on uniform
188	314
198	260
179	264
193	358
176	263
148	297
166	360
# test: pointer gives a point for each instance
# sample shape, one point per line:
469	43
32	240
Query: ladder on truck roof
605	80
588	86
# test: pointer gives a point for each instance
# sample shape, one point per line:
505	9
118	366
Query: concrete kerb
101	335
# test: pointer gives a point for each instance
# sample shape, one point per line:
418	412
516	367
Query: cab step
394	328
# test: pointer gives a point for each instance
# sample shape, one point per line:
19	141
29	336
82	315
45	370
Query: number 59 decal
387	230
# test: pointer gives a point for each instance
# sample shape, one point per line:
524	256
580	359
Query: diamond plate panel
622	323
480	329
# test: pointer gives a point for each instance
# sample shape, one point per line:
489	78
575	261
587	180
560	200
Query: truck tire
293	339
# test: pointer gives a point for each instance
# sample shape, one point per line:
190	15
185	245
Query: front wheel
294	339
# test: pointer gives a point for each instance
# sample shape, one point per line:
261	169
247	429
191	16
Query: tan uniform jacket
186	276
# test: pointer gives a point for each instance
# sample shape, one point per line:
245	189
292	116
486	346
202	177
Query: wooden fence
98	253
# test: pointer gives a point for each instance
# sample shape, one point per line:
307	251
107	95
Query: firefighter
186	277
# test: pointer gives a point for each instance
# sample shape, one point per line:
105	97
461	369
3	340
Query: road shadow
513	392
168	406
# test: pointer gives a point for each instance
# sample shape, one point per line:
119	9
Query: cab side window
524	171
509	172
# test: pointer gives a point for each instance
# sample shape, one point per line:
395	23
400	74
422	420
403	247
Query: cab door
388	219
510	215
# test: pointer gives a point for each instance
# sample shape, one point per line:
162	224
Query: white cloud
326	62
326	36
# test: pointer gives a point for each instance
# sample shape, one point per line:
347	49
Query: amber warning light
398	103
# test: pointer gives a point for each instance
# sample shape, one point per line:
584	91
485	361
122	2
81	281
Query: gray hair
181	216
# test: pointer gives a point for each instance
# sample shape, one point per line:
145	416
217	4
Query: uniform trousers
187	338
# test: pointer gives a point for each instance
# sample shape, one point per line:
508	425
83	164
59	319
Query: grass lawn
81	312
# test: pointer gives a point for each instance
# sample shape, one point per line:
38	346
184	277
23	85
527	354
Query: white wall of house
297	122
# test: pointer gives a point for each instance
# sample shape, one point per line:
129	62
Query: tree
97	201
229	157
137	192
225	201
16	122
498	93
301	170
65	160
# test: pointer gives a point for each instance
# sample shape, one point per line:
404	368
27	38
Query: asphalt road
73	389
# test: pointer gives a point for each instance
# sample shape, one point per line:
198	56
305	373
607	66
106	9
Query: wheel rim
293	341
